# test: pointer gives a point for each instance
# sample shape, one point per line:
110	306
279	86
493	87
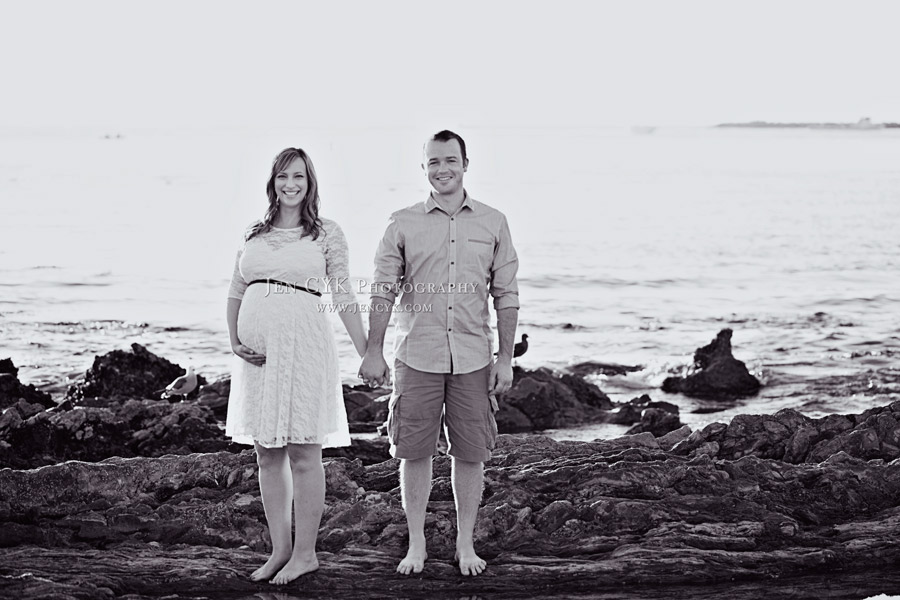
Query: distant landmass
863	124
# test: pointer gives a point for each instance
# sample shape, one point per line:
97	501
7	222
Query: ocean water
634	248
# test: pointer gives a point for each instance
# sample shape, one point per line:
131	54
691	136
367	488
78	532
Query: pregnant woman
286	395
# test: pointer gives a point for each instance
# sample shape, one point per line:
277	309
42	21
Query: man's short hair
445	136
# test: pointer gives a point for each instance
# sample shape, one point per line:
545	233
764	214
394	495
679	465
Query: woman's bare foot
294	568
415	559
271	567
469	562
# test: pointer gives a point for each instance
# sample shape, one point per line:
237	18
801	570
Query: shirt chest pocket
480	253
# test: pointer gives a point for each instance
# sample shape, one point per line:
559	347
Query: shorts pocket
393	420
491	439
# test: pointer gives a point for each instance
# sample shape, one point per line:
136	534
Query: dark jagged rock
717	375
541	399
657	421
131	428
368	451
121	374
8	368
564	516
365	404
215	396
795	438
13	392
647	415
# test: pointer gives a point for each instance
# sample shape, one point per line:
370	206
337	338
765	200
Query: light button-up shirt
443	267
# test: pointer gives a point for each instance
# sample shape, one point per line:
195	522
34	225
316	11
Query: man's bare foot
415	559
270	568
294	568
469	562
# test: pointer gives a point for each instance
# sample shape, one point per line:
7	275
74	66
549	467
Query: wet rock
717	374
541	399
12	391
122	374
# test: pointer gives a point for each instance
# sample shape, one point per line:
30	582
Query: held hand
248	354
501	376
374	370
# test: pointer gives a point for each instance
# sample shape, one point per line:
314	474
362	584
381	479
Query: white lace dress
295	398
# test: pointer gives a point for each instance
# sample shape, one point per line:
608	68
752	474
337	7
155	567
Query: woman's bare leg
309	503
277	492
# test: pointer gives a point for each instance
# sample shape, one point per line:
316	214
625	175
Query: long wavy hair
309	206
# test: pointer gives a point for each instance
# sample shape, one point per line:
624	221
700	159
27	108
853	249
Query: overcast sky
258	64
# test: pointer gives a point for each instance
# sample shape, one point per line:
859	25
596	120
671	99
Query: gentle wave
548	281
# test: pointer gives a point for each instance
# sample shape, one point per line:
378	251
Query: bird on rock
182	386
521	347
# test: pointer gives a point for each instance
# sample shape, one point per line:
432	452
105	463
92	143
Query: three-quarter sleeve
504	286
389	263
238	284
337	266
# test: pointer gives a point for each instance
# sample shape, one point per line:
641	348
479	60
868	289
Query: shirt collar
468	201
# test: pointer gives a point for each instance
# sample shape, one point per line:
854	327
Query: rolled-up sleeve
337	266
504	287
389	263
238	283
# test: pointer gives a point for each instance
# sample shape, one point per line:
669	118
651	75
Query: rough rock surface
561	516
542	399
792	437
121	374
32	437
215	396
12	392
718	375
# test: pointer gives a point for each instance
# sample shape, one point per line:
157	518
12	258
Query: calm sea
634	248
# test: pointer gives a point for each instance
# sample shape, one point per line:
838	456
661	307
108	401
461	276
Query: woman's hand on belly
248	354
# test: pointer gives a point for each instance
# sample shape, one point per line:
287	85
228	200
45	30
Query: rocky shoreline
123	496
557	516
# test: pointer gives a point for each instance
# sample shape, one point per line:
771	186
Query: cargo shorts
420	399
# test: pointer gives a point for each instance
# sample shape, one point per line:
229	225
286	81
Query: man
446	255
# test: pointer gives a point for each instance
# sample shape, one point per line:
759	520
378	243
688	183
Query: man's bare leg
467	479
415	489
276	491
309	503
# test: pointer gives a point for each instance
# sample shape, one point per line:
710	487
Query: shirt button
452	240
449	308
449	330
451	218
452	263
